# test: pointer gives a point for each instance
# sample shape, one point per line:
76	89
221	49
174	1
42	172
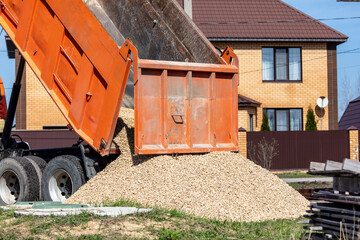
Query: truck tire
18	181
39	165
62	177
39	161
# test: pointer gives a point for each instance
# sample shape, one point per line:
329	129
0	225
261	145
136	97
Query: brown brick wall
283	95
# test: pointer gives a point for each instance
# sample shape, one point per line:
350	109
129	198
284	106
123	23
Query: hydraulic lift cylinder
5	139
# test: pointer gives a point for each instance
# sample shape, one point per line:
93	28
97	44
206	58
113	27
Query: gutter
339	40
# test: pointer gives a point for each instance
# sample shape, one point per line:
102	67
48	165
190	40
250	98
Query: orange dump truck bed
185	107
179	108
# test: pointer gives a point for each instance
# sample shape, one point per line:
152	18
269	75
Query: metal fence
42	139
297	149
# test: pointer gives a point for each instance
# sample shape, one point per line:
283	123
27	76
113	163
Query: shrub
265	123
310	120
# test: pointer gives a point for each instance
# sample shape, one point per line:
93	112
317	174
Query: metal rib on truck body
185	107
75	59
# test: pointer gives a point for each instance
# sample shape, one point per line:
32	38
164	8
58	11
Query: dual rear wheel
62	177
31	179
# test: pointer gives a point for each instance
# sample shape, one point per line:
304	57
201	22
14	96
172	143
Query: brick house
287	61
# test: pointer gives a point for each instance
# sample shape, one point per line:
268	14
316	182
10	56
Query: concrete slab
42	205
44	209
99	211
315	179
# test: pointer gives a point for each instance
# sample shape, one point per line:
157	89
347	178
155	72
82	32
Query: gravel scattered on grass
221	185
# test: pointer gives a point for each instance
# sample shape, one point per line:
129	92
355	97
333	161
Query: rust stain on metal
180	106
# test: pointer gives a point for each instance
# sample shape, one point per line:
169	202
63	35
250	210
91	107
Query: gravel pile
221	185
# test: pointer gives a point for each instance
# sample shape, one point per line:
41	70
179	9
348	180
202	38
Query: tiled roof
351	116
258	20
245	102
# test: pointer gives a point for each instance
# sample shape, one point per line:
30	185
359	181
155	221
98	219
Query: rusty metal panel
75	59
296	149
185	107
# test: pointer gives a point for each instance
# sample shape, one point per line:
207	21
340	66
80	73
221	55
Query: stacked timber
336	214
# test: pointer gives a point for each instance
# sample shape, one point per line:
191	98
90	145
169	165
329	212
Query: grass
311	185
191	227
163	224
297	174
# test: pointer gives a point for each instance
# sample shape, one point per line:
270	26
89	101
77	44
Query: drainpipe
188	7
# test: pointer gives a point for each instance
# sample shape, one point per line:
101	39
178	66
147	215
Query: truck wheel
62	177
18	181
39	161
39	165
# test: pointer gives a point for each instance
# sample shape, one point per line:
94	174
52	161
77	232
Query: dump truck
186	105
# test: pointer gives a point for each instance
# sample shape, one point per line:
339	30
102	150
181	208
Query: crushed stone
220	185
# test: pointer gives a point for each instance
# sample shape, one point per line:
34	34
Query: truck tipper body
180	107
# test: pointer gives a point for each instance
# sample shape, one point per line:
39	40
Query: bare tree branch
264	152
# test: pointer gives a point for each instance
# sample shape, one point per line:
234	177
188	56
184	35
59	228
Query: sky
7	67
348	61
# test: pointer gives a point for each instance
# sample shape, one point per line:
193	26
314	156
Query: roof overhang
337	40
249	105
247	102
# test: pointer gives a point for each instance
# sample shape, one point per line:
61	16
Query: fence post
242	142
354	143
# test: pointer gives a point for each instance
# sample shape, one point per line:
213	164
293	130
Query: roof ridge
316	21
355	99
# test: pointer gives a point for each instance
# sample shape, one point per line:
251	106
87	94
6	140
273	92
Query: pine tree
310	120
265	123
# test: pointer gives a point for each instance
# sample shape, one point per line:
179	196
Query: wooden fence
297	149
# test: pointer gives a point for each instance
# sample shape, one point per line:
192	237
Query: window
281	64
251	122
284	119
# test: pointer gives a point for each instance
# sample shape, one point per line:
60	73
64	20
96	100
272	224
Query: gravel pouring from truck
179	107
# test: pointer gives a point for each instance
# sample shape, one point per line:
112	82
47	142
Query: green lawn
296	175
158	224
311	185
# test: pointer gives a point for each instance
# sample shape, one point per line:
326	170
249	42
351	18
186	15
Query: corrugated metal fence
297	149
